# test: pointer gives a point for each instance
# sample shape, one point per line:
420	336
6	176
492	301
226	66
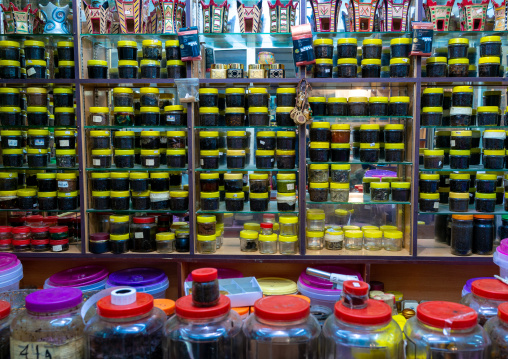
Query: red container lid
266	225
50	219
39	229
5	241
447	315
502	312
204	275
355	287
164	218
56	242
269	215
15	219
58	229
148	219
5	309
21	242
64	220
490	289
375	313
34	218
101	236
282	308
142	305
5	229
36	242
21	229
184	308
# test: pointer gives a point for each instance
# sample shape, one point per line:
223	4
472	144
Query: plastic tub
467	287
222	273
85	278
11	272
147	280
501	258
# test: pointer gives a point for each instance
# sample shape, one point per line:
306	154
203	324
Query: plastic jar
447	328
353	239
259	201
288	244
429	202
100	200
12	158
462	96
459	159
459	202
314	239
286	182
369	152
401	191
236	140
258	97
249	241
371	68
35	69
357	106
458	67
209	116
318	173
235	97
66	70
378	106
372	48
496	329
209	201
461	140
235	201
433	159
336	106
11	139
286	140
340	133
398	106
379	191
347	48
10	70
268	243
123	116
393	133
9	50
323	68
10	116
97	69
317	106
319	151
459	182
142	234
485	298
488	116
432	97
489	66
485	202
8	199
323	48
400	47
209	182
37	116
318	192
123	97
176	69
101	158
127	50
339	192
119	243
493	160
458	48
174	116
259	116
286	202
9	181
437	67
235	159
347	67
127	69
392	240
394	152
486	183
10	97
399	67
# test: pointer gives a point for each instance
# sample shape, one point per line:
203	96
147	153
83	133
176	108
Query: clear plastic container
206	332
368	332
114	330
445	329
282	327
249	240
485	297
497	330
289	225
315	239
288	244
315	221
353	239
50	313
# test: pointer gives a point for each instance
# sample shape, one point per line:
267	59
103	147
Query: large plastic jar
282	327
485	298
50	313
369	332
444	329
497	330
114	330
203	332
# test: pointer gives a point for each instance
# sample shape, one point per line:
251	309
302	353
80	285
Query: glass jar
286	159
151	158
353	239
318	173
347	48
119	243
323	48
433	159
340	133
37	116
317	106
461	140
101	158
484	234
459	182
66	69
286	202
142	234
235	116
119	225
127	69
372	240
429	202
123	116
462	235
249	240
314	239
334	239
494	139
10	50
485	202
399	67
392	240
340	152
357	106
401	191
489	66
259	201
176	69
339	192
150	116
318	192
378	106
165	242
235	159
268	243
319	151
459	159
398	106
159	200
393	133
458	48
336	106
282	116
235	201
288	244
257	97
369	152
372	48
445	323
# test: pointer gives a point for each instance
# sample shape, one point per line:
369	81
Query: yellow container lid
370	127
285	90
320	125
433	196
286	134
206	176
318	42
317	99
209	134
337	100
380	185
202	238
433	153
437	59
352	233
258	90
401	41
258	109
459	195
433	90
235	90
209	153
209	194
288	238
404	185
366	62
249	234
394	234
341	167
463	89
357	99
432	110
236	133
335	185
277	286
347	40
399	61
366	146
485	195
489	60
126	44
345	61
259	195
403	99
487	109
234	195
486	177
258	176
494	38
373	233
318	145
174	108
286	176
294	219
341	126
378	99
458	41
463	61
208	110
394	146
319	185
148	109
268	237
377	42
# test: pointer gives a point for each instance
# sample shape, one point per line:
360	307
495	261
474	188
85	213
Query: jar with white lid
334	239
203	332
43	319
445	329
282	327
114	330
485	297
365	332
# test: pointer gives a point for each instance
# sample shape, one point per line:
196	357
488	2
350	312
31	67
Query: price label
291	186
64	143
98	162
31	71
97	119
150	162
138	235
436	205
12	143
63	184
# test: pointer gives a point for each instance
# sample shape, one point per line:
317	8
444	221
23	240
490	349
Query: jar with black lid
235	159
433	97
347	68
370	133
101	181
488	116
152	158
235	97
176	69
120	200
320	132
236	140
431	116
123	140
285	97
437	67
317	106
494	139
372	49
37	158
369	152
259	116
399	67
173	50
378	106
461	116
461	140
100	200
235	116
101	158
174	116
209	159
336	106
347	48
127	69
10	97
127	50
97	69
489	66
66	70
399	106
8	181
10	70
462	96
323	48
460	183
209	116
319	151
12	158
371	68
357	106
27	198
37	116
9	50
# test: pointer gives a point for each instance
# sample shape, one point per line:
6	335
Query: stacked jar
10	65
286	192
206	234
323	50
489	63
400	64
432	107
315	232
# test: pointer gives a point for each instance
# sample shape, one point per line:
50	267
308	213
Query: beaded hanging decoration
301	114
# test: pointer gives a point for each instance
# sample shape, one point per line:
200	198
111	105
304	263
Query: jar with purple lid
31	329
85	278
147	280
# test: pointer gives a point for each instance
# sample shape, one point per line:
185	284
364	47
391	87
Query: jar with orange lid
462	235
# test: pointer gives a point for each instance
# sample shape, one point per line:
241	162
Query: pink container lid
8	261
78	276
503	247
223	273
315	283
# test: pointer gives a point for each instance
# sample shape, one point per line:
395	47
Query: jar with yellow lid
319	173
249	240
334	239
399	67
127	69
152	49
97	69
400	47
317	106
65	158
357	106
68	201
235	201
9	50
429	202
288	244
150	69
165	242
462	96
268	243
323	68
173	50
314	239
123	97
323	48
286	182
286	202
123	116
341	217
235	159
488	116
372	48
315	221
206	244
285	97
401	191
339	192
119	243
140	200
209	116
9	182
10	116
127	50
259	116
37	158
35	69
66	69
176	69
353	239
119	224
336	106
379	191
347	48
318	192
209	201
437	66
151	158
371	68
259	201
489	66
98	116
10	70
372	240
433	159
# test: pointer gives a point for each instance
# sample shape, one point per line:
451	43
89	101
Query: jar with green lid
150	116
462	96
176	69
235	159
373	240
489	66
151	158
357	106
285	97
9	50
209	159
35	69
317	106
286	202
37	116
339	192
259	116
429	202
209	201
97	69
10	70
265	140
66	70
319	173
127	50
12	157
458	67
27	199
437	66
123	116
314	239
371	68
123	97
347	68
286	182
37	158
127	69
336	106
209	116
379	191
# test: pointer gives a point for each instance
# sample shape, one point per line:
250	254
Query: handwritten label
63	184
291	186
98	162
150	162
73	349
138	234
436	205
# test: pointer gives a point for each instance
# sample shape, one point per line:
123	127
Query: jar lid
209	91
209	194
208	110
460	176
447	315
347	40
123	109
458	41
162	175
463	89
265	153
319	145
247	233
145	90
268	237
294	219
202	275
118	194
175	63
9	63
258	90
12	174
462	61
148	109
157	152
233	195
487	109
64	110
485	195
336	185
258	110
437	59
185	308
392	127
378	99
286	176
355	287
118	305
101	152
433	153
207	218
150	133
336	100
366	146
404	185
319	167
373	233
352	233
235	90
26	192
462	133
203	238
399	61
401	41
172	43
174	108
53	299
318	42
494	152
483	216
10	109
377	42
489	60
259	195
285	90
490	39
346	61
433	196
404	99
486	177
357	99
366	62
258	176
164	236
6	43
277	286
318	185
208	134
434	90
393	234
143	220
21	229
375	313
283	308
235	110
460	153
317	99
236	133
65	63
285	152
10	133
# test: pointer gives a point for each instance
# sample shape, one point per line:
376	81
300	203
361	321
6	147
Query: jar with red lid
22	245
445	329
114	332
40	233
16	221
142	234
59	232
39	245
485	297
35	220
5	245
5	333
351	331
282	327
206	332
205	287
5	233
59	245
21	233
497	330
50	221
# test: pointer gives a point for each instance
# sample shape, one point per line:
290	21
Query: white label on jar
291	186
171	118
12	142
150	162
372	144
447	181
39	142
262	142
440	163
98	162
356	284
452	143
202	162
97	118
436	205
57	248
64	143
31	71
461	111
138	235
327	70
63	184
73	349
272	159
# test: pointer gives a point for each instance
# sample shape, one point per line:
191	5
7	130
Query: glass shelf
355	162
358	202
469	81
264	128
459	128
440	38
137	168
470	169
359	118
272	208
129	211
361	35
40	210
50	128
49	167
169	128
251	168
445	209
